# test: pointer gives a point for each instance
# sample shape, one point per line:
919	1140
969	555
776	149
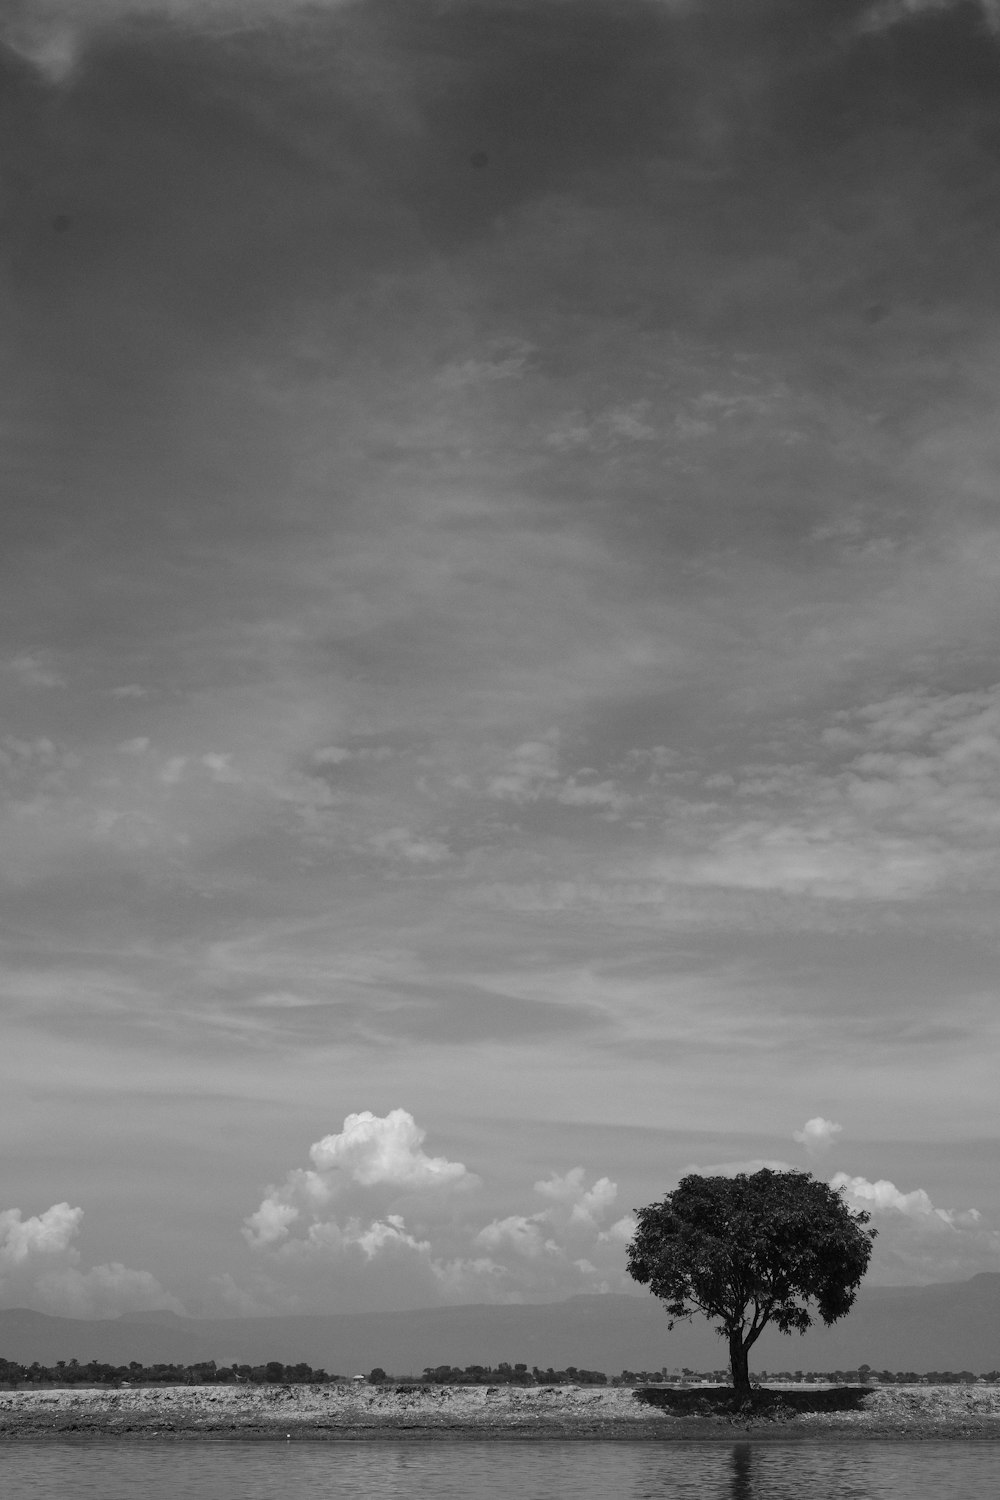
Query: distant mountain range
949	1326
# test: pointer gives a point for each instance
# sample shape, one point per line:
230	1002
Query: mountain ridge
944	1325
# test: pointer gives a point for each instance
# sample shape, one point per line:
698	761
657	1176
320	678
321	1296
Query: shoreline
483	1413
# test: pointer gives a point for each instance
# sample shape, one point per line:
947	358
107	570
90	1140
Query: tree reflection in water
741	1481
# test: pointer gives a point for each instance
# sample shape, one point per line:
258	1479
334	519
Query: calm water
501	1471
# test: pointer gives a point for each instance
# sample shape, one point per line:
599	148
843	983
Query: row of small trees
505	1374
95	1372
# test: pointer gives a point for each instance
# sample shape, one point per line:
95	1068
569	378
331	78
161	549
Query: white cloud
376	1217
817	1135
270	1222
918	1242
562	1231
39	1266
883	1195
621	1231
373	1150
371	1157
50	1233
520	1234
587	1205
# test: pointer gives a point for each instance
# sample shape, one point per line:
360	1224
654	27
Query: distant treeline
864	1375
72	1372
504	1374
134	1373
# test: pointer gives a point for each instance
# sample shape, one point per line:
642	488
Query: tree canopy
748	1251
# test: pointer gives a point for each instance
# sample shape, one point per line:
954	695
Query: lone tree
749	1251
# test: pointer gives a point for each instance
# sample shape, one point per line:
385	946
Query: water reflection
746	1470
740	1481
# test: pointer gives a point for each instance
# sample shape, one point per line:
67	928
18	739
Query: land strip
345	1412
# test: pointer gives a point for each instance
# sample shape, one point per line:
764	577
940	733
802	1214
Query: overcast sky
500	601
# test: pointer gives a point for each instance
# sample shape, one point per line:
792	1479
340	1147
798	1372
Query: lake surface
101	1470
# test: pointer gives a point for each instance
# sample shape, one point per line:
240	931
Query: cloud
562	1242
906	804
379	1221
884	1195
531	773
918	1242
371	1152
50	1233
51	45
102	1292
519	1234
400	843
529	770
817	1135
588	1205
39	1266
887	13
34	669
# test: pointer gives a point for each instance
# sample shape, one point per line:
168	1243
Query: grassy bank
350	1412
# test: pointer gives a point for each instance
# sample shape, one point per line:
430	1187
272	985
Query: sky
499	701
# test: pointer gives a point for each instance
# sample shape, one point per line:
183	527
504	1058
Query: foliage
748	1251
96	1372
507	1374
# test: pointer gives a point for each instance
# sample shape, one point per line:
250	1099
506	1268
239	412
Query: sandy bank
347	1412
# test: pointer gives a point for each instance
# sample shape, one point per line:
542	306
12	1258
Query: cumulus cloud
50	1233
39	1265
587	1205
371	1152
555	1246
817	1135
882	1195
379	1219
917	1240
520	1234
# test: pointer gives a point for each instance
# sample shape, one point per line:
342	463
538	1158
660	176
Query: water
99	1470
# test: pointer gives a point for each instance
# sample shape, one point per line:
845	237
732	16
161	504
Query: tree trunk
739	1364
